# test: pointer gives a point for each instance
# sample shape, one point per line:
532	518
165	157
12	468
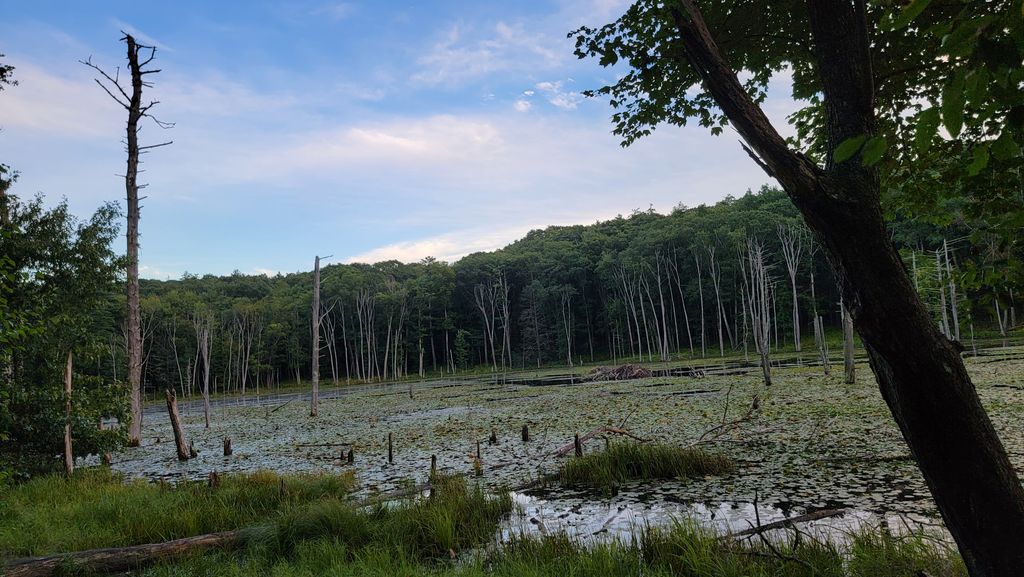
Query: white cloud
557	96
458	56
266	271
335	11
447	247
71	106
521	105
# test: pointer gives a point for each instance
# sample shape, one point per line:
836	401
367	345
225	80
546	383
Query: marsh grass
681	549
97	508
622	462
453	518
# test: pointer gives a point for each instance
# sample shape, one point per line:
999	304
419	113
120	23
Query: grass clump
622	462
98	508
453	518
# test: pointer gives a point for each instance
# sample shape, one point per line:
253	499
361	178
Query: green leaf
848	148
953	104
910	11
1004	147
927	127
980	160
873	150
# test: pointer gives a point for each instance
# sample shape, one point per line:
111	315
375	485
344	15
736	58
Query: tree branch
794	170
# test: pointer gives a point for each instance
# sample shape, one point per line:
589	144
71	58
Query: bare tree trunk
179	435
849	368
792	247
205	340
952	292
700	293
315	371
69	457
715	282
137	60
942	294
758	300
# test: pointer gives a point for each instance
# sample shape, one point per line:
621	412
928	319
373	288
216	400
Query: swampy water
813	443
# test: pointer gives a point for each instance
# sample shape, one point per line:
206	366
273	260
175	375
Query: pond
813	443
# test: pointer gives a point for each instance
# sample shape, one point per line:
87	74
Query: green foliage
622	462
97	508
55	275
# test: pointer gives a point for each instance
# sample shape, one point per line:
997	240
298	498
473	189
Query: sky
364	130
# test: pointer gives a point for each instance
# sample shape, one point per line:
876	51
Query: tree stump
577	445
227	447
351	456
493	439
179	435
526	433
391	450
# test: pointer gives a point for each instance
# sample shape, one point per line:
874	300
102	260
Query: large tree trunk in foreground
920	373
118	559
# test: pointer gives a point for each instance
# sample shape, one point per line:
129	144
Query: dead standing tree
139	56
759	300
792	238
316	316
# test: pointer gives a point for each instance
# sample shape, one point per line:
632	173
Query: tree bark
179	435
849	367
134	342
920	373
69	457
315	361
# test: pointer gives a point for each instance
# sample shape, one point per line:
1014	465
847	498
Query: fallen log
571	446
122	559
789	522
119	559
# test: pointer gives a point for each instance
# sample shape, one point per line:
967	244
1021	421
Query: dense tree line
644	287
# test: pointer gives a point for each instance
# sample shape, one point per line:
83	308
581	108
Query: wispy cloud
335	11
559	97
448	247
459	55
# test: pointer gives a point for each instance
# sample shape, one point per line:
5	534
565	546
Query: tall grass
681	549
621	462
97	508
455	517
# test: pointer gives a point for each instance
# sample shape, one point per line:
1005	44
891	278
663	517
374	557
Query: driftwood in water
571	446
619	373
184	453
823	514
119	559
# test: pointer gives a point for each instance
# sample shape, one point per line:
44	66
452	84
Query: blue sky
366	130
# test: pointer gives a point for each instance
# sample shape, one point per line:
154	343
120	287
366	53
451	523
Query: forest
647	287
